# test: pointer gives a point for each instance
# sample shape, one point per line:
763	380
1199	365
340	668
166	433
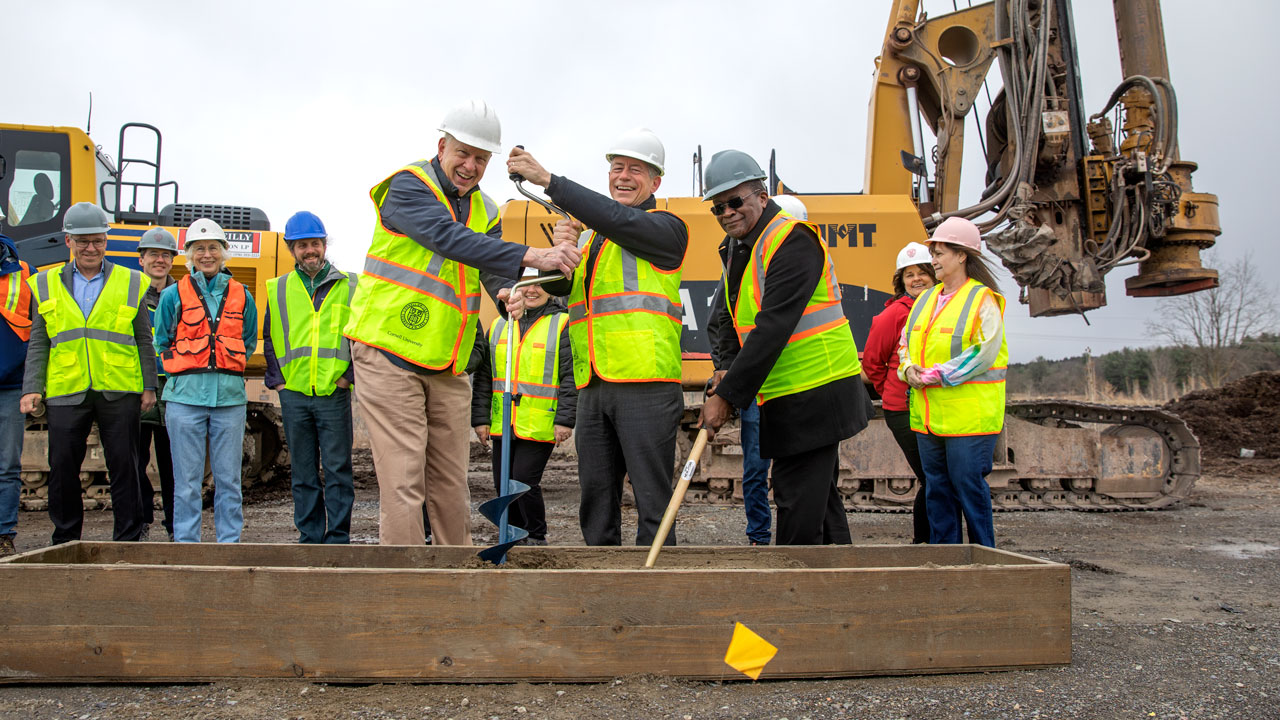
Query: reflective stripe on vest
202	344
976	406
536	373
415	303
16	293
626	326
821	348
308	343
94	353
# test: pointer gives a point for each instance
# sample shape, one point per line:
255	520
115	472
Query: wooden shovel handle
677	497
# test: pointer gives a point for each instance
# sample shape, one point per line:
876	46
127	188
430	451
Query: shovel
677	497
496	509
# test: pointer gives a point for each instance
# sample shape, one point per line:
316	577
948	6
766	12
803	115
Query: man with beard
309	364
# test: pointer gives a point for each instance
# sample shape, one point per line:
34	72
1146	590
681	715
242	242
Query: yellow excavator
43	171
1069	196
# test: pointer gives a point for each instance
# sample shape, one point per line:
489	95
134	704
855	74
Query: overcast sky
305	105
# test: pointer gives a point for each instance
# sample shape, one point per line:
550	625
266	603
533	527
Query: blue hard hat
304	225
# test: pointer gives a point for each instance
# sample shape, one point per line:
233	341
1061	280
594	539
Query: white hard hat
641	144
913	254
792	206
474	123
205	229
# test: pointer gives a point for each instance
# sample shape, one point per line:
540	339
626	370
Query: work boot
6	545
535	541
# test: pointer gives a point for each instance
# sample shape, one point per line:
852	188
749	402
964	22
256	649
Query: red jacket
880	356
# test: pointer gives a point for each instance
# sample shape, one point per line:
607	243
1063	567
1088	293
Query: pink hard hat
958	231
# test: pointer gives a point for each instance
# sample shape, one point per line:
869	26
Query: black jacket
790	424
658	237
482	380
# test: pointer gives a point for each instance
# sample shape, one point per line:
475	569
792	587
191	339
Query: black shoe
6	545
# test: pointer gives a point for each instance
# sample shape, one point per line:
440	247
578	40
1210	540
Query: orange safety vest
202	345
16	307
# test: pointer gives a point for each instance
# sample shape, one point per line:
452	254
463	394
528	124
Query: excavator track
1053	455
265	461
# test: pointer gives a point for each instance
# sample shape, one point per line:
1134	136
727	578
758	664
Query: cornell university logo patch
414	315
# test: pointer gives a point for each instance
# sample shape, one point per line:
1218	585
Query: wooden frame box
100	611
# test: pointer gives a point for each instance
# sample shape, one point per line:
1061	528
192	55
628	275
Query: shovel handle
677	497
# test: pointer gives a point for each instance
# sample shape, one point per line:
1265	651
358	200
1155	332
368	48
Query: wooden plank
92	621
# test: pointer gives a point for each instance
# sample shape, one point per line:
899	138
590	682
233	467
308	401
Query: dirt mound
1243	414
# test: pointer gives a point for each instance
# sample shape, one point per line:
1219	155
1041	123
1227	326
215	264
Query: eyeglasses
95	242
731	203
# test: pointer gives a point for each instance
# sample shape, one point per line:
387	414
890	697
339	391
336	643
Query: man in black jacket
809	404
624	322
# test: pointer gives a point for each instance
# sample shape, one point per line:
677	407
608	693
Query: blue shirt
204	389
86	290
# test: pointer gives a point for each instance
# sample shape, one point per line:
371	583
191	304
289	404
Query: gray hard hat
157	238
85	218
729	169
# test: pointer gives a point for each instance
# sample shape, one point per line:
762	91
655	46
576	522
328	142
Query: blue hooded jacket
13	349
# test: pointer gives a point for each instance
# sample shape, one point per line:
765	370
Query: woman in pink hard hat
912	276
954	356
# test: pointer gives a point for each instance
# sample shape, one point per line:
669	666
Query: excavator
1070	195
43	171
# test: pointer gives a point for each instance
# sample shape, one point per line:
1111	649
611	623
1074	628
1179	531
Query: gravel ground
1174	616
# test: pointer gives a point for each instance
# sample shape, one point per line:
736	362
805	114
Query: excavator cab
35	188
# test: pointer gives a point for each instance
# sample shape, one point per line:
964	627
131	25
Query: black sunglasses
731	203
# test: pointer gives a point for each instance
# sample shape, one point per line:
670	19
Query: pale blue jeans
190	427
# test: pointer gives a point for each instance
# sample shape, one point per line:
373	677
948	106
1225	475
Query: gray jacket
38	349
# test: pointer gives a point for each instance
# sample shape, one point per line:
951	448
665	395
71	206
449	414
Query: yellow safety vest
412	302
976	406
308	343
821	348
97	353
626	327
536	373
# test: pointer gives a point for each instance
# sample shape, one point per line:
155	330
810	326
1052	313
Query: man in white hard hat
625	320
156	250
786	343
414	319
91	360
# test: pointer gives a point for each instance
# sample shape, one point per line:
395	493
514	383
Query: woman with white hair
206	328
954	357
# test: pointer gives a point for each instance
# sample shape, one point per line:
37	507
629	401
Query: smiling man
91	360
624	327
783	340
309	364
156	249
414	319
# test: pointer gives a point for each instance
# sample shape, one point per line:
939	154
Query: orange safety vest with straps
201	345
16	295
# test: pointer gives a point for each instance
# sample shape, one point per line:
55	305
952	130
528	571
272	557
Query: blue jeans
955	471
12	425
755	478
190	426
318	430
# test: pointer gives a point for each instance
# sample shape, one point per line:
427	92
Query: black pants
528	460
626	429
149	434
118	428
899	422
810	511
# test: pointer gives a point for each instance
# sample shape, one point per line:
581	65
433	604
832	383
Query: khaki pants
419	428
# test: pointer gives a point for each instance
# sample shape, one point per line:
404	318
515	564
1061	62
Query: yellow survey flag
748	652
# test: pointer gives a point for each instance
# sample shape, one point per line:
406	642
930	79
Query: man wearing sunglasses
91	360
625	320
783	340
